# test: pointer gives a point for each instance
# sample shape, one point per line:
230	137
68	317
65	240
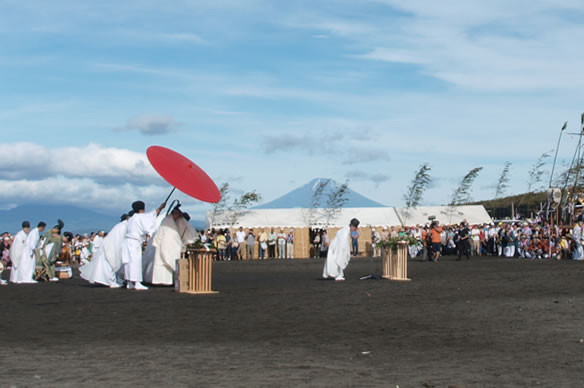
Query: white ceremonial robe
96	245
339	254
27	263
18	246
84	258
164	249
107	261
138	227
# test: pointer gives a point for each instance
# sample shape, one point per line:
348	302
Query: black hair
138	205
41	224
59	226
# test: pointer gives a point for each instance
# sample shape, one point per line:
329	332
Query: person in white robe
164	248
97	242
85	253
16	249
139	226
27	263
339	252
2	281
107	261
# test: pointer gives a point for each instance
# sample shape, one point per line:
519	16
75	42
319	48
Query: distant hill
526	204
302	197
77	219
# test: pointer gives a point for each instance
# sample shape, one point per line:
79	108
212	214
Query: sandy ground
483	323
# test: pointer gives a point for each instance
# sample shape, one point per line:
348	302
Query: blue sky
268	95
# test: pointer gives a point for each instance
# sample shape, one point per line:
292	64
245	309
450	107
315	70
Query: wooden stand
196	272
395	263
63	270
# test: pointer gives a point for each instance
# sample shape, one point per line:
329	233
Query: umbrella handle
172	205
169	195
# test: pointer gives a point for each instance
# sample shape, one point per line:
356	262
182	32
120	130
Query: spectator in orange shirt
436	233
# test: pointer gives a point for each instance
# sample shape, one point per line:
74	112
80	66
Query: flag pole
557	150
547	211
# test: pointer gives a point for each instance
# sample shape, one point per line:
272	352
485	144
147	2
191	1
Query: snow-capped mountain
302	196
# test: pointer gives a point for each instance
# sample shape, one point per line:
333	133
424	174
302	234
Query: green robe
49	260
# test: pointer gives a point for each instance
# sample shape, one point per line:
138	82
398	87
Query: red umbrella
183	174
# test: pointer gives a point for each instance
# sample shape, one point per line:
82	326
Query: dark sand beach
487	322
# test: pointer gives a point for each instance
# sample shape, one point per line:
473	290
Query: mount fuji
302	197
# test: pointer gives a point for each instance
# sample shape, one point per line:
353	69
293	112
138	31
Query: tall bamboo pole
557	150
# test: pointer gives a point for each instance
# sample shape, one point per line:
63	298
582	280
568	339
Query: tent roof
473	214
300	218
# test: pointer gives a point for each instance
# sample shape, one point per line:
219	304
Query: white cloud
151	125
484	45
78	191
338	27
377	178
86	193
393	55
371	153
151	38
351	147
91	176
8	206
132	68
182	37
33	161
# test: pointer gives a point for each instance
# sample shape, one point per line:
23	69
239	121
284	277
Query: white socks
139	286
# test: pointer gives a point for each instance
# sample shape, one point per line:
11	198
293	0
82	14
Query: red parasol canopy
183	174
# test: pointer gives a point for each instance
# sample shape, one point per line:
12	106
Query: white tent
285	218
299	218
368	216
377	216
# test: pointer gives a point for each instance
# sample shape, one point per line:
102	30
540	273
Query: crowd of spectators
242	245
512	239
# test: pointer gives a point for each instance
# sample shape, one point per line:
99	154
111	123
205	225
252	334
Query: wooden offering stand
195	272
395	262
